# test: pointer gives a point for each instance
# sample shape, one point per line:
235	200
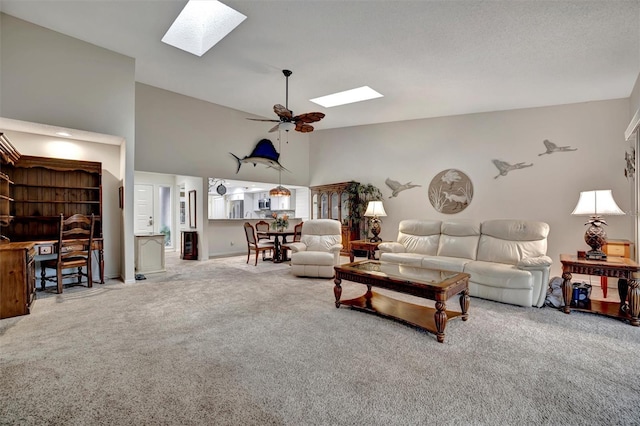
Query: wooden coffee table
432	284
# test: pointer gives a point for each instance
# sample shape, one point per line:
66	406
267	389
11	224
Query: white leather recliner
318	250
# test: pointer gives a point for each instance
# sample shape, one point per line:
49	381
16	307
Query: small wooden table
363	245
614	267
432	284
277	245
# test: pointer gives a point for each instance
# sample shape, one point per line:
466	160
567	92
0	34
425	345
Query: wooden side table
363	245
614	267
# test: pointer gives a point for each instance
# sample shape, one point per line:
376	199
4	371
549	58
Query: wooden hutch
332	202
34	191
17	260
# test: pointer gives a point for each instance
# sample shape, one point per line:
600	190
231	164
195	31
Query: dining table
279	255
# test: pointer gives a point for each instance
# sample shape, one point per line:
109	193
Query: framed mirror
192	208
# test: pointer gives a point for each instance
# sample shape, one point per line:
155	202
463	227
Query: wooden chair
296	237
254	245
261	228
74	251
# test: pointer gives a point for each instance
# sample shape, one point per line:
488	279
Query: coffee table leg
567	290
464	304
367	297
634	302
441	320
337	291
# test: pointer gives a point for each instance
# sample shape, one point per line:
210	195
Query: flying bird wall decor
552	147
505	167
397	187
264	153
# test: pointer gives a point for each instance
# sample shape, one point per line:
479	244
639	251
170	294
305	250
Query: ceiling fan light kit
287	126
288	121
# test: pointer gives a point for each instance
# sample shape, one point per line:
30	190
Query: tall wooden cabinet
332	202
17	279
43	188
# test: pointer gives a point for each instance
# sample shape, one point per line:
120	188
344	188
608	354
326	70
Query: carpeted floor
222	342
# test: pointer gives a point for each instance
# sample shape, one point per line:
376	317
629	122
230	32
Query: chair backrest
321	234
262	226
76	236
250	233
297	232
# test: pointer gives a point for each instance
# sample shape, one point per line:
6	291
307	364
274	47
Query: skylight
363	93
202	24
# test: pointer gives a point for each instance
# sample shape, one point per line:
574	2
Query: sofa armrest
336	248
391	247
296	247
541	262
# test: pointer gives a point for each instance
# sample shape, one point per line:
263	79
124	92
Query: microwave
264	204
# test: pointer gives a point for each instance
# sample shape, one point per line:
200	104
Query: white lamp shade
596	203
375	208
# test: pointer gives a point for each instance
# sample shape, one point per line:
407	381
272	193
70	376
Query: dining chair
253	244
75	238
262	228
297	233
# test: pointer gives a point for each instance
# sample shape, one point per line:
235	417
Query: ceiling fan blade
310	117
282	111
274	128
263	119
303	127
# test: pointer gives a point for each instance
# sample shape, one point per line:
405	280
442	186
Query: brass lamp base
595	237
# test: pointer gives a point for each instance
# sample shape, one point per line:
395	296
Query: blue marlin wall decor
264	153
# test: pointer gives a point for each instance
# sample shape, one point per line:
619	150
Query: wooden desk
616	267
277	245
51	247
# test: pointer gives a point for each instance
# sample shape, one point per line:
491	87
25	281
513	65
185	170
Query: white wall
53	79
548	191
109	156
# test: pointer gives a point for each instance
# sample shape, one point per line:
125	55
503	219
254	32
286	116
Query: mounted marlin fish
264	153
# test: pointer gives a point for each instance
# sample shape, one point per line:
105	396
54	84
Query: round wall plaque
450	191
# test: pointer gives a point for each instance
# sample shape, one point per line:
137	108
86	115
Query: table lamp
374	210
595	204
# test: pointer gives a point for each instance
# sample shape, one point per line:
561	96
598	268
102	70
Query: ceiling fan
287	120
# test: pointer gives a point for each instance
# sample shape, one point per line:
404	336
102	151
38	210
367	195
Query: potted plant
359	196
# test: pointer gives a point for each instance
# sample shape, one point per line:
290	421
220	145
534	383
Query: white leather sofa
318	250
506	259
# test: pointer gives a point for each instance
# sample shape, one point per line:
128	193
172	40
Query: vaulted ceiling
428	58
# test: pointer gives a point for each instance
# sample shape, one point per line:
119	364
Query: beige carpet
222	342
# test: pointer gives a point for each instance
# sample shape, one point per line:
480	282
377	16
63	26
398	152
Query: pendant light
279	191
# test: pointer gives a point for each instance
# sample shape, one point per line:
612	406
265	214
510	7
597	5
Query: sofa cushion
499	275
443	262
312	258
459	239
510	241
413	259
420	236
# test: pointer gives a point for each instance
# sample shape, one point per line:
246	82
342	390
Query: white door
143	208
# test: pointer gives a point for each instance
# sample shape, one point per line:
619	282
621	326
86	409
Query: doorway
153	211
